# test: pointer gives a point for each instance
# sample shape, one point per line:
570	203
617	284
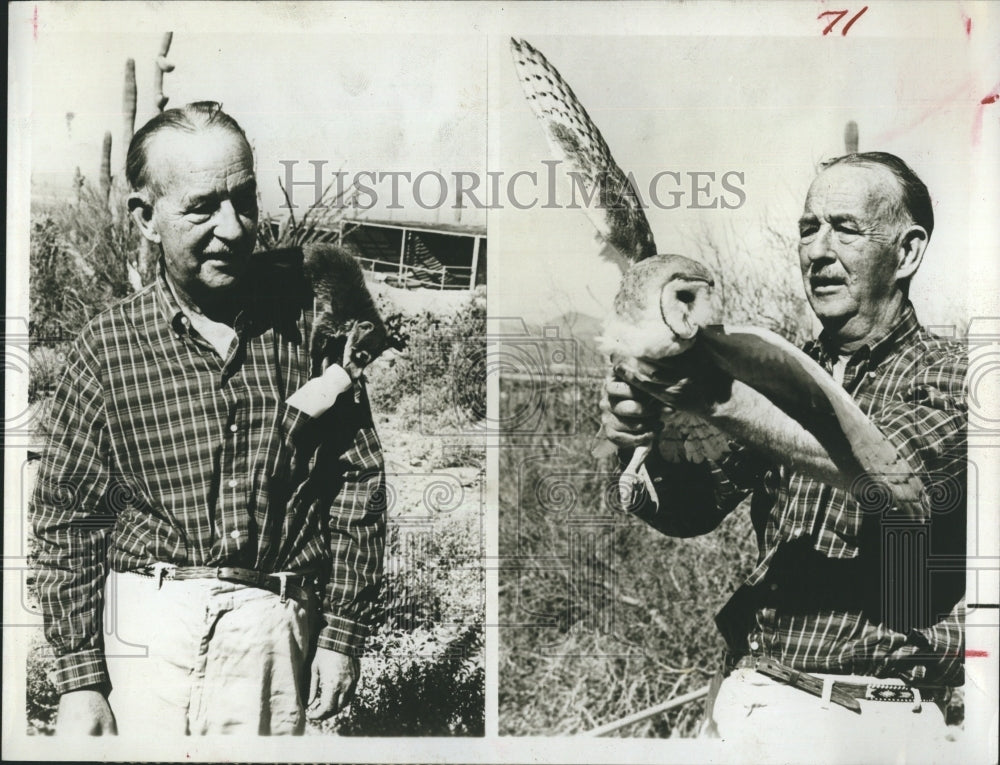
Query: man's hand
334	678
85	713
630	418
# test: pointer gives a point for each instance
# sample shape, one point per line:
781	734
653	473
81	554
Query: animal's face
659	307
205	210
686	304
851	247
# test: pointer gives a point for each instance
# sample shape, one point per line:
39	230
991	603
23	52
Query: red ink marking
968	25
977	125
839	15
832	24
851	22
976	653
34	25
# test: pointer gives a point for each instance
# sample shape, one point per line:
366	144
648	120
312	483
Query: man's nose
819	247
227	222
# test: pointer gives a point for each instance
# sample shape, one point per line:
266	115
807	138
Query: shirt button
233	483
234	428
754	645
235	534
773	586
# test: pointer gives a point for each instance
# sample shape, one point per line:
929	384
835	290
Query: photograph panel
253	377
664	527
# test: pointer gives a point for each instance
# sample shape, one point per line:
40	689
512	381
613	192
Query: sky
402	89
354	102
771	111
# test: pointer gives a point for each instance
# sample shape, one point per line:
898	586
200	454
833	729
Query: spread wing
688	438
575	140
801	388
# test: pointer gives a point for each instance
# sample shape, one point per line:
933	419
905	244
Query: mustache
820	278
224	253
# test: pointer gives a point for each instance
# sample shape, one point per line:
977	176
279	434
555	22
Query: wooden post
402	252
444	273
475	262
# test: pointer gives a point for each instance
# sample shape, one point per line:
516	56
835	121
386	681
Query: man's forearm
750	418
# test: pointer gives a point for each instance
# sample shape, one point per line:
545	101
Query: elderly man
232	544
815	603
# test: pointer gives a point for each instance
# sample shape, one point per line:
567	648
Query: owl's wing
687	437
803	390
574	139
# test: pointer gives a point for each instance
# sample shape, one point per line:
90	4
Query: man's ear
141	209
910	251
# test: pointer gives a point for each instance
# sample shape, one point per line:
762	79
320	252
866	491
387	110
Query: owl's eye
685	296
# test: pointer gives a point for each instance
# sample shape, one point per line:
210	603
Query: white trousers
203	656
756	715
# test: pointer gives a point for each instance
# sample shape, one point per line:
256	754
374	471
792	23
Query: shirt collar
170	309
174	313
275	299
825	351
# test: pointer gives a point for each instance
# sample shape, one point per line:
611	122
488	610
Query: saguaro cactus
851	137
162	66
141	264
106	166
129	100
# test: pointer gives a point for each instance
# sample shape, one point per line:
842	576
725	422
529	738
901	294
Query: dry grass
602	616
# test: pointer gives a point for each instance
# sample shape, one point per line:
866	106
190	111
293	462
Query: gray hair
190	118
914	199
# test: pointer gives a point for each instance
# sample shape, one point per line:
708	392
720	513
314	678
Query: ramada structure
443	256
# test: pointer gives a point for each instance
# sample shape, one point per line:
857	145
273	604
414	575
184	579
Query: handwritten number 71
838	15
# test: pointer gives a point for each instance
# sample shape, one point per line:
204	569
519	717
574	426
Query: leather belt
842	693
285	584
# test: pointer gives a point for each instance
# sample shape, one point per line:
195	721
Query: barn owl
663	308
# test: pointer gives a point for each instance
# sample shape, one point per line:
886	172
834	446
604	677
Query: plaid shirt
834	571
163	452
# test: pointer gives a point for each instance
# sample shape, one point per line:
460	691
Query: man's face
848	244
206	212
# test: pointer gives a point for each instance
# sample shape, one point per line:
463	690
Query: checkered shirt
821	595
163	452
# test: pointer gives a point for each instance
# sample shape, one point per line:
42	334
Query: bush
427	682
40	695
441	376
78	263
423	673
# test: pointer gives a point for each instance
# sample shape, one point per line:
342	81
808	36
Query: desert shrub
433	572
423	673
427	682
441	376
78	263
45	365
40	695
